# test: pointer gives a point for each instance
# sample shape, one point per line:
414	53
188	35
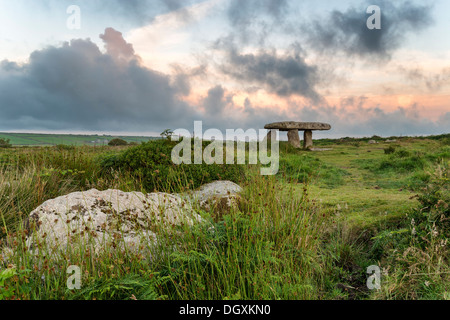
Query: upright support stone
307	139
293	128
293	138
269	136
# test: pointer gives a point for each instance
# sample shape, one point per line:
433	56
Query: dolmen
293	128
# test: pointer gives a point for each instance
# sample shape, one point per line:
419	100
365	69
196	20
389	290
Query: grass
309	232
37	139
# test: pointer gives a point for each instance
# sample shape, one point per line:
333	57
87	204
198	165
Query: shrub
151	163
117	142
166	134
64	147
389	150
445	141
5	143
404	164
434	201
417	252
402	153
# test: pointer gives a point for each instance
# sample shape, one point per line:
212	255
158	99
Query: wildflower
434	232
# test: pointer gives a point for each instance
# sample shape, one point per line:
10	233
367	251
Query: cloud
243	13
353	116
216	101
77	87
169	37
183	77
358	116
433	82
444	121
116	46
347	31
254	19
141	12
219	110
282	74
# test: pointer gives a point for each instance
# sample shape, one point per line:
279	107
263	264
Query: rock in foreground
124	220
109	217
219	196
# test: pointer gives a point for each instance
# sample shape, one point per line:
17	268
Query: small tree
4	143
117	142
167	134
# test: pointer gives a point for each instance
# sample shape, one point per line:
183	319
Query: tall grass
277	244
30	176
268	248
416	256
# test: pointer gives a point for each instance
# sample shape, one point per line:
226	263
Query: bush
406	164
64	147
389	150
434	202
151	163
402	153
4	143
117	142
445	142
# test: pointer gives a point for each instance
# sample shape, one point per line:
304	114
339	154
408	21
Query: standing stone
293	138
307	139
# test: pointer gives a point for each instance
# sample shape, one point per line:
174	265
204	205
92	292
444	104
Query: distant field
34	139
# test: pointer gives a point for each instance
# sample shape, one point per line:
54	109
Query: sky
140	67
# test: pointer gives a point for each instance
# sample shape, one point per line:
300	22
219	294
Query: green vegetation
304	168
151	164
310	232
5	143
117	142
40	139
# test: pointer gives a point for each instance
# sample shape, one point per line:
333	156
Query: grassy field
310	232
36	139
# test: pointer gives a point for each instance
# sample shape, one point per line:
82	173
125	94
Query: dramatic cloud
357	116
76	86
347	31
282	74
221	111
233	64
116	46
